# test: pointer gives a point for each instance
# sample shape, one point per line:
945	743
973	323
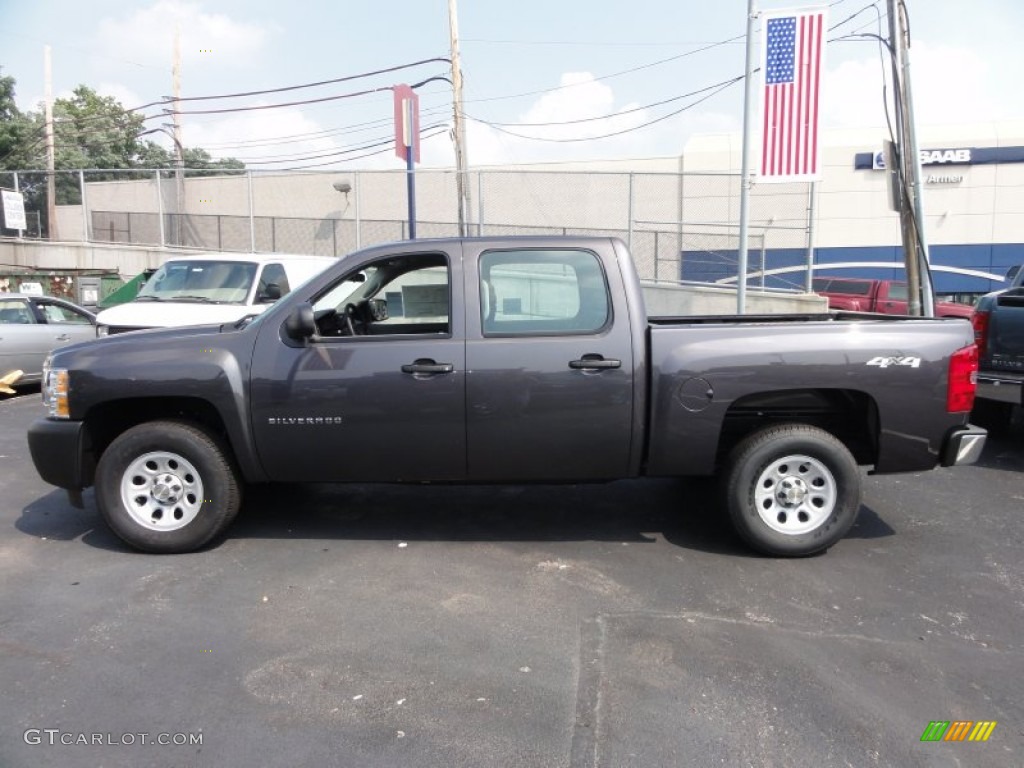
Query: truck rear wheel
166	486
792	490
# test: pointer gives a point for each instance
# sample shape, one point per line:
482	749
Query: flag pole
748	97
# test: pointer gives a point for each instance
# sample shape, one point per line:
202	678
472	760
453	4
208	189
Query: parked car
886	296
211	288
999	331
32	326
490	360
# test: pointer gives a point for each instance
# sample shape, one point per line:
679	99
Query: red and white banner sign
792	57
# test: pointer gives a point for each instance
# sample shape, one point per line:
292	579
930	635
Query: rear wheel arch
851	416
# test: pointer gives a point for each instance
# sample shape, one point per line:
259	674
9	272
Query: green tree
90	132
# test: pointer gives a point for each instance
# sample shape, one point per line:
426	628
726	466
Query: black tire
167	487
792	490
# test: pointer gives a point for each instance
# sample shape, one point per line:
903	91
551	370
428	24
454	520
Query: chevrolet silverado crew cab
504	360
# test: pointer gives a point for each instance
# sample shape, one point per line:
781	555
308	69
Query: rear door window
542	292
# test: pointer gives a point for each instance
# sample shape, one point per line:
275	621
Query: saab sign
947	156
931	157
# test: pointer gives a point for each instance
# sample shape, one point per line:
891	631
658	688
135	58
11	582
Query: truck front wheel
166	486
792	490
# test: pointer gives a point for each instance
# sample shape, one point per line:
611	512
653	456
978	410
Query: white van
211	288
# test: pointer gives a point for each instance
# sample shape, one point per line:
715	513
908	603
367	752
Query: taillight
980	322
963	380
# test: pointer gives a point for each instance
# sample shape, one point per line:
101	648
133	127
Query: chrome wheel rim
162	491
795	494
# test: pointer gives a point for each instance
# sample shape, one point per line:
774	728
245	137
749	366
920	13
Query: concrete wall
128	261
708	300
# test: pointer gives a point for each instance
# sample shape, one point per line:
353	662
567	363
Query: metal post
480	203
160	208
410	165
410	186
657	252
748	97
359	223
85	214
252	217
812	205
629	225
764	240
916	184
17	188
910	257
461	180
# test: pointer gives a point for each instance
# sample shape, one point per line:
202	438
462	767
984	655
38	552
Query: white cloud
125	96
949	84
233	136
544	132
146	35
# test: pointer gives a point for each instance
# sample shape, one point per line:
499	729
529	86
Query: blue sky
524	64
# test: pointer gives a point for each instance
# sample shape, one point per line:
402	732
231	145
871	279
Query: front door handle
594	363
63	337
426	365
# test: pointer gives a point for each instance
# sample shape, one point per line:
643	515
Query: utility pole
462	186
51	180
908	192
179	155
748	102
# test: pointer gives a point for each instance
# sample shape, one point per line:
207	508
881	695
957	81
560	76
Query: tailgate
1006	331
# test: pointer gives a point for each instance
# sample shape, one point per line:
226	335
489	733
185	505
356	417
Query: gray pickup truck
999	330
511	360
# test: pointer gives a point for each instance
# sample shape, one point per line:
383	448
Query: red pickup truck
886	296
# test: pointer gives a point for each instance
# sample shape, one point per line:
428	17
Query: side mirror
271	293
300	324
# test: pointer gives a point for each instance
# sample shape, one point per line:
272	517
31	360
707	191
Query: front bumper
963	445
61	453
1001	387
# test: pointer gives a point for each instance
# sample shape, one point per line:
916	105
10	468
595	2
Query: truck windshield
221	282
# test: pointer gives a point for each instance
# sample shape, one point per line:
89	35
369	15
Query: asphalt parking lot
614	625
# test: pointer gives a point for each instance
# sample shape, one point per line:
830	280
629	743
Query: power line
360	157
347	78
613	115
291	158
613	74
721	87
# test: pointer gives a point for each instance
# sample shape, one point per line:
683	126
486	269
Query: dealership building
973	178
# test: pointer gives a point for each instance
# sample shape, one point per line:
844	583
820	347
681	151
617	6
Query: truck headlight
55	391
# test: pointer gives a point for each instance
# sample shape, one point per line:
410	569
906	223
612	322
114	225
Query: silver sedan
31	326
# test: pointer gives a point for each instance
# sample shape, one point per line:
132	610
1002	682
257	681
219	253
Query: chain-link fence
679	226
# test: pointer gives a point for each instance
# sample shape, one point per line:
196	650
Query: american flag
792	64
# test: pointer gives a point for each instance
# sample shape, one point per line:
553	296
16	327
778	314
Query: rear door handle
594	363
426	365
63	337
